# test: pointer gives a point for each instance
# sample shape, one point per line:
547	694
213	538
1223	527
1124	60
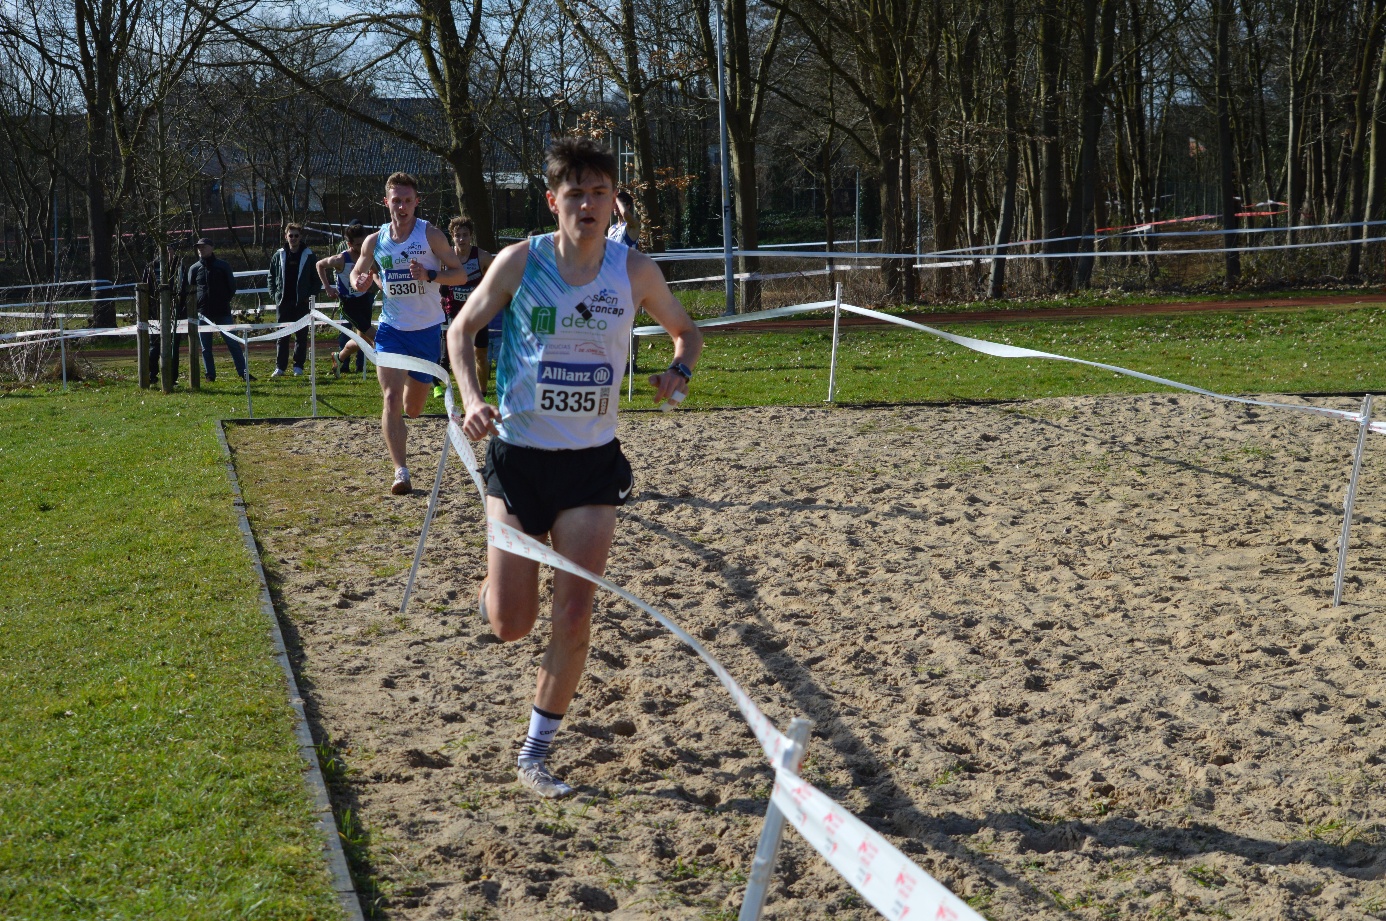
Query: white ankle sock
542	727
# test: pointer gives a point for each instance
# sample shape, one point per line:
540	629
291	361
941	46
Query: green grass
147	766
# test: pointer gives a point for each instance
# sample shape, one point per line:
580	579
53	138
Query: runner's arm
364	268
335	263
651	293
490	297
452	272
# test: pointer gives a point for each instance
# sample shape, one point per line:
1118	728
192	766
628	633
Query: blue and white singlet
564	351
345	291
409	305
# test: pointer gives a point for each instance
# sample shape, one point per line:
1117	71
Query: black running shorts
536	484
357	311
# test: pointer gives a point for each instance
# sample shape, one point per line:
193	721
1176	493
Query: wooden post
142	334
194	339
168	345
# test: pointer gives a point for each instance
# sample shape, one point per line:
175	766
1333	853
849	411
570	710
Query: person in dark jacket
293	279
214	284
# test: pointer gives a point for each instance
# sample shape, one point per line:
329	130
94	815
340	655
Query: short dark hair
570	158
461	222
625	198
402	179
354	231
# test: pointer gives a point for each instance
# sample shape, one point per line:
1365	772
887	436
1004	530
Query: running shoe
297	370
537	776
437	391
402	485
481	602
278	372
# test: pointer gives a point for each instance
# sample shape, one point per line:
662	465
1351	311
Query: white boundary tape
999	350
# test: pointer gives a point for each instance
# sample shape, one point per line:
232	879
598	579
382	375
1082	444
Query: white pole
630	378
832	363
62	344
428	519
758	886
1351	496
726	157
313	352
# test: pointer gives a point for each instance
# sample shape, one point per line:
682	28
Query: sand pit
1076	657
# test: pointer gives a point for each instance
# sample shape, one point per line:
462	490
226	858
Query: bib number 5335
568	401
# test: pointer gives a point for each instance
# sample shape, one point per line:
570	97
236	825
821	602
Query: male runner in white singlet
554	466
409	258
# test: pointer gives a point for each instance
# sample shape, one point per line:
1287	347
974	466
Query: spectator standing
356	307
214	284
293	279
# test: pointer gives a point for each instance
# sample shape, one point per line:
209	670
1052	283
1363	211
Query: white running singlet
563	352
409	305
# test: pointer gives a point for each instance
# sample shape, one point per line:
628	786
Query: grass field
148	765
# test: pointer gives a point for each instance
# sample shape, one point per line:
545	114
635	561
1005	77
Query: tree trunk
1376	157
1051	149
1099	32
1011	170
452	83
1302	50
645	160
1361	133
1222	63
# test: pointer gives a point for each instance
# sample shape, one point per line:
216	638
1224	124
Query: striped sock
542	726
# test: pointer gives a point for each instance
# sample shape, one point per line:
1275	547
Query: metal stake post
758	886
832	364
428	519
630	379
1351	496
313	352
62	344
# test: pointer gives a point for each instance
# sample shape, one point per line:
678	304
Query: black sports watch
432	274
679	367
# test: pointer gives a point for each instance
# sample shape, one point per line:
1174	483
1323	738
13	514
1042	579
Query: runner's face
583	208
462	241
292	237
401	200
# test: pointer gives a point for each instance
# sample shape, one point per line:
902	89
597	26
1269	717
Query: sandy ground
1077	657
